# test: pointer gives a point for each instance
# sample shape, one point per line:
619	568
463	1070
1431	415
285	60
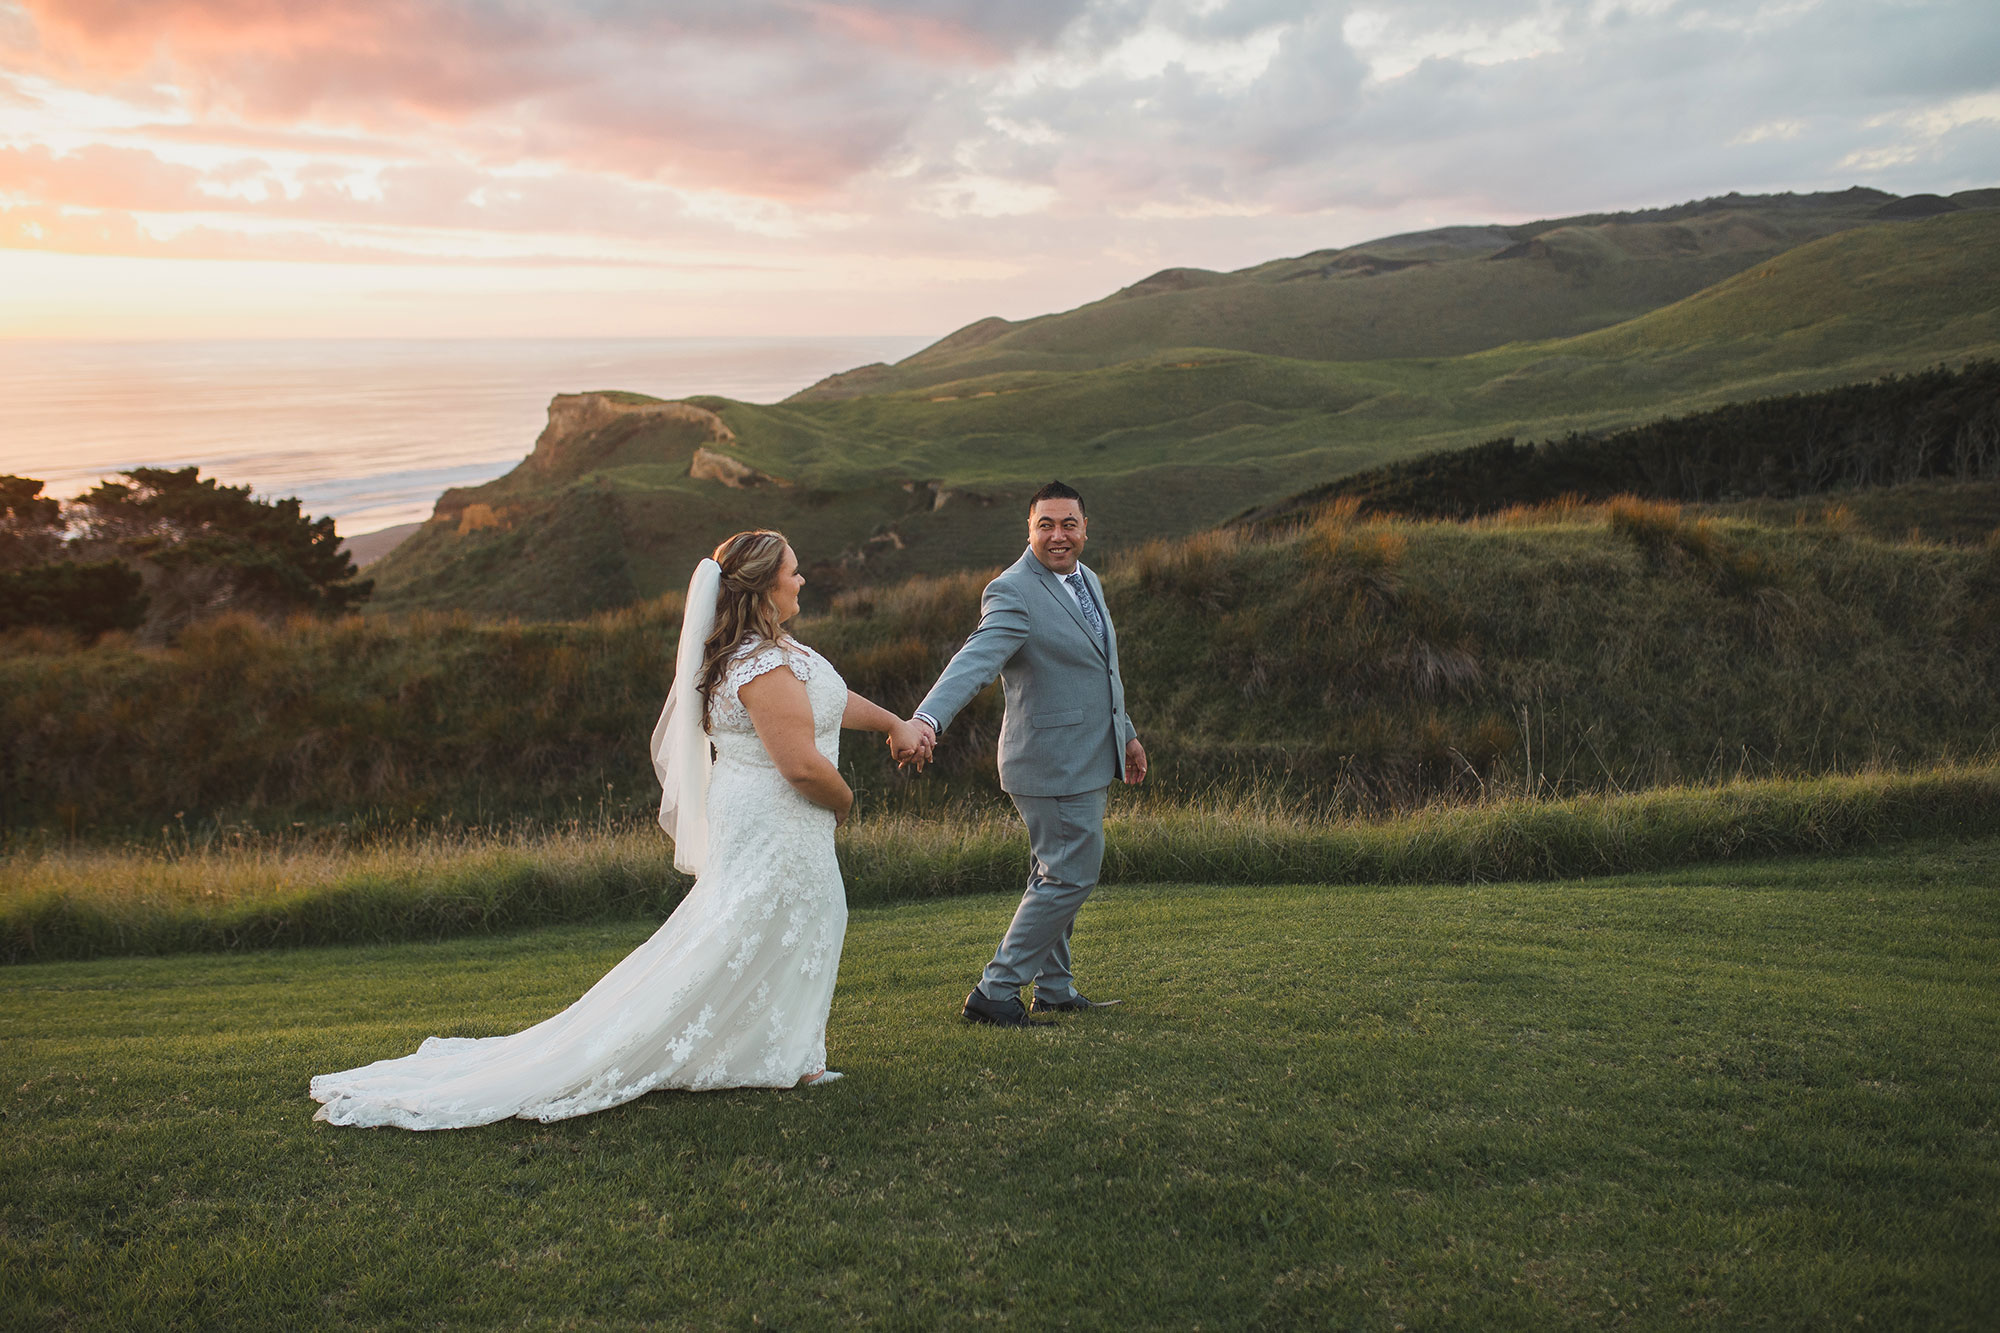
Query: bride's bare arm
869	715
782	714
864	714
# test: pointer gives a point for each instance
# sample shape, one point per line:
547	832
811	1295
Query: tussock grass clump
1197	573
1668	538
918	605
277	893
1657	527
1569	507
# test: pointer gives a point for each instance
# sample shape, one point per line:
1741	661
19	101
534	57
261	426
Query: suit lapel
1056	590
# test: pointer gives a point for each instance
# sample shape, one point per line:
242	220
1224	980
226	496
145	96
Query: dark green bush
88	600
1939	423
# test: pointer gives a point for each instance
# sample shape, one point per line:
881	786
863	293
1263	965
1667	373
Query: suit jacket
1065	727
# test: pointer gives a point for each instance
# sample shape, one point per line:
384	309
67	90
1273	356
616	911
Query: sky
470	168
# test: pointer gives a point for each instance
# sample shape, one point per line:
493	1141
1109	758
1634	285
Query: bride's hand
909	744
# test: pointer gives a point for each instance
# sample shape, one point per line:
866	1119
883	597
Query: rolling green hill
623	493
1444	292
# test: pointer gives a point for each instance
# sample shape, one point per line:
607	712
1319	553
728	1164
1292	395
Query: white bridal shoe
820	1079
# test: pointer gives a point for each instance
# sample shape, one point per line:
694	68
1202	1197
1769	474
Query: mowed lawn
1756	1095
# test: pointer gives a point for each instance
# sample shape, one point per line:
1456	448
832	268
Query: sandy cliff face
576	417
586	431
708	465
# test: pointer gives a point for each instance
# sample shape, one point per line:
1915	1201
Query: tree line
1939	424
160	549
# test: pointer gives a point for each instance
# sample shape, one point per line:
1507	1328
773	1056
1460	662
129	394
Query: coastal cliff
586	433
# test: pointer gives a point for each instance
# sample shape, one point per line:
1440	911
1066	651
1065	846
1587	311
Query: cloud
1073	141
98	176
1516	108
781	99
428	196
1092	106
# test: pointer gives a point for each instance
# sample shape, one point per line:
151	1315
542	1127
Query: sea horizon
365	430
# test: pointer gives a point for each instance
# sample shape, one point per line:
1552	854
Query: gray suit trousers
1066	852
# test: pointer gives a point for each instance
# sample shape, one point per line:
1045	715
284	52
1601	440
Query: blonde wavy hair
750	564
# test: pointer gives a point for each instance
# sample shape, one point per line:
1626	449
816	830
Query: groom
1045	631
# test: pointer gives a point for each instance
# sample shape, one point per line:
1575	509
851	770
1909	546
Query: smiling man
1045	631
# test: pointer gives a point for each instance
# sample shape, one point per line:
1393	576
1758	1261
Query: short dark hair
1055	490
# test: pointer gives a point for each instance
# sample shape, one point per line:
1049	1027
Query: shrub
31	524
204	548
1939	423
88	600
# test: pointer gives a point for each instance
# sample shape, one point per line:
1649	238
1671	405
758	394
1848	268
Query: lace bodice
729	724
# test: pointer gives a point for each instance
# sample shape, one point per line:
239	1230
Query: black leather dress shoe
1000	1013
1075	1004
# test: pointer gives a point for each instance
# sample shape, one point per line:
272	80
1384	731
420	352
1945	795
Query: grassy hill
889	484
1443	292
1360	664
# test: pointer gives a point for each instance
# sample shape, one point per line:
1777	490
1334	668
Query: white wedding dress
732	992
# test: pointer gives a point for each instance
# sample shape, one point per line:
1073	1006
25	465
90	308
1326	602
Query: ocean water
368	431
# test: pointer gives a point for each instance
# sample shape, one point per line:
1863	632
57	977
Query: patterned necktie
1083	599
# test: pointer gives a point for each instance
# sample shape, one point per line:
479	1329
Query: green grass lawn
1760	1094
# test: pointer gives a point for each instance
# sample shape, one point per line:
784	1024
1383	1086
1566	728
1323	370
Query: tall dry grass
262	892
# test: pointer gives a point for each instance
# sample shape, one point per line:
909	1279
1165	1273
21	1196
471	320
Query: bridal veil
681	755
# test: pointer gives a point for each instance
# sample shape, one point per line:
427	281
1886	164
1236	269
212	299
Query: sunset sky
609	167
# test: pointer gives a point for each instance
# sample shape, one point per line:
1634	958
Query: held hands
911	744
1135	762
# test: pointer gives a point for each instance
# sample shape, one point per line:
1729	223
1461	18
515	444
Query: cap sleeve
751	661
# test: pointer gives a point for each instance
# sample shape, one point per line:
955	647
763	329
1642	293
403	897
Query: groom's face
1056	534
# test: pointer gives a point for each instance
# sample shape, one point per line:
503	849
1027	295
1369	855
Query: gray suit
1062	744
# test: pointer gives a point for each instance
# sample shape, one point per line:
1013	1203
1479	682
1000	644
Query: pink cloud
786	99
99	176
933	39
430	196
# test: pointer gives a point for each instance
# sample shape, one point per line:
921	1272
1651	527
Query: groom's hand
911	743
926	742
1135	762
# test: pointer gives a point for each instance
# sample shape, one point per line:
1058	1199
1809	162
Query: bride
733	991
